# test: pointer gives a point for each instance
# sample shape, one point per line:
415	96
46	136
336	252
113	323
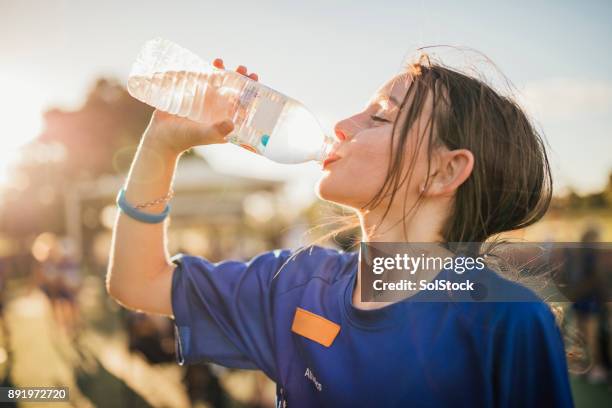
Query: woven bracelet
134	213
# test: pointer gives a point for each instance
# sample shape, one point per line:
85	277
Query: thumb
224	127
216	132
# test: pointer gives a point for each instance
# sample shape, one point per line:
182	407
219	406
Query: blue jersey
264	314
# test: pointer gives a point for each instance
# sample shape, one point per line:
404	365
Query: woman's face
364	149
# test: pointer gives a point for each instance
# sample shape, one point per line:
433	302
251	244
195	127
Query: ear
453	167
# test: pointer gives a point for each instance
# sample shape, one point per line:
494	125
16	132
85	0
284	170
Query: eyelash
379	119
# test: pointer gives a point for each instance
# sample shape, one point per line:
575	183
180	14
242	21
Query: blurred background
69	131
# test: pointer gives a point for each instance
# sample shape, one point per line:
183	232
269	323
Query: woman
436	156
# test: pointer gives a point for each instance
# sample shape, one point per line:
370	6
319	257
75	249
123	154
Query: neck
422	225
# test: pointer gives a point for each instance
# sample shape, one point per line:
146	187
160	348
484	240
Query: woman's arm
139	271
139	274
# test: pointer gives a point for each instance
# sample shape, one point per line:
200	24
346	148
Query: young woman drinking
436	156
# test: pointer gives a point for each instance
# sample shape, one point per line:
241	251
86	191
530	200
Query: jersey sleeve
530	368
223	311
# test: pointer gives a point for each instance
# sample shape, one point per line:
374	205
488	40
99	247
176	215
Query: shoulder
310	261
507	304
316	262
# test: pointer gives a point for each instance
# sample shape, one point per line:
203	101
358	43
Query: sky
330	55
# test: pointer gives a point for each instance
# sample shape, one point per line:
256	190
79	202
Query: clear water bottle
175	80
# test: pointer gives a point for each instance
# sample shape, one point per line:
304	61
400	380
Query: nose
340	133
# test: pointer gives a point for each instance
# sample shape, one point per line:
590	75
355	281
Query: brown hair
510	186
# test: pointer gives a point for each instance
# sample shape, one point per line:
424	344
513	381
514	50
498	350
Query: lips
330	159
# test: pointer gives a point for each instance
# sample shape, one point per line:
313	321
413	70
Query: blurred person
203	386
151	336
5	345
606	317
436	156
589	305
4	270
59	278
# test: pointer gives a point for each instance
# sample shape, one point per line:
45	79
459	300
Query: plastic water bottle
175	80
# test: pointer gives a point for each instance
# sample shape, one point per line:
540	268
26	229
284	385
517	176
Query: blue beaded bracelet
139	215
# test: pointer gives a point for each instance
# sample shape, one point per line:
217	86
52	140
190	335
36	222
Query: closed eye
379	119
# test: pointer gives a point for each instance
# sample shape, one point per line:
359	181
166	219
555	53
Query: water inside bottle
180	93
265	121
297	138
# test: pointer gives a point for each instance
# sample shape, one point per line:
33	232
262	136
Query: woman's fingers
241	69
218	62
218	131
200	134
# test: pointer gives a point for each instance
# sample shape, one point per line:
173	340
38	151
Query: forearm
138	250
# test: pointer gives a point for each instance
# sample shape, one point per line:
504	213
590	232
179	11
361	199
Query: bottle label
248	95
266	114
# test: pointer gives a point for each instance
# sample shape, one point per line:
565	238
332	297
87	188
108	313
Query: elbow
112	275
114	288
111	289
120	294
134	289
120	283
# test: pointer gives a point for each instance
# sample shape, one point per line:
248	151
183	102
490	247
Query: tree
98	138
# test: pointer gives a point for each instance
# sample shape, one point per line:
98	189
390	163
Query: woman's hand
171	134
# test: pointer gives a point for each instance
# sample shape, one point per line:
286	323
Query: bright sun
21	106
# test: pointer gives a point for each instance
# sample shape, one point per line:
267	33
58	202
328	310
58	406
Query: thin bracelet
134	213
160	200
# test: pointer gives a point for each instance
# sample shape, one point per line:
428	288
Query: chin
327	190
323	189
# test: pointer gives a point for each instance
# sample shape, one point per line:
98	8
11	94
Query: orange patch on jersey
314	327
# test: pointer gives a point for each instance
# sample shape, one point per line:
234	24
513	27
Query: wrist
154	143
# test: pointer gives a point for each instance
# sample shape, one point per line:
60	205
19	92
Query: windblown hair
510	186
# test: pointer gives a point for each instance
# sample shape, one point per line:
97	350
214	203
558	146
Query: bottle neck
326	149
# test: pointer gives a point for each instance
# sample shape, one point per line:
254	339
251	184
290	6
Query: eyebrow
390	98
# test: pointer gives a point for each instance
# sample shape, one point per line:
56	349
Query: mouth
332	158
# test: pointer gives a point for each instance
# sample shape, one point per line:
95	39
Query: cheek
358	176
367	166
